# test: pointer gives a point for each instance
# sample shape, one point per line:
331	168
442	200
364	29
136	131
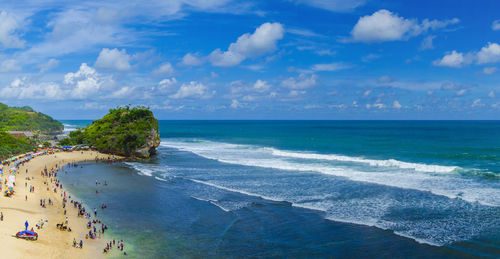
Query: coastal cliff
124	131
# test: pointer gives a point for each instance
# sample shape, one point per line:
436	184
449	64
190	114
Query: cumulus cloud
193	90
384	25
113	59
262	41
495	25
167	85
301	82
492	94
86	82
9	36
22	88
453	59
261	86
486	55
165	69
333	5
396	105
489	54
235	104
191	60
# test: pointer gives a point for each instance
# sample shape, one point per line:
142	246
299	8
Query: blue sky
225	59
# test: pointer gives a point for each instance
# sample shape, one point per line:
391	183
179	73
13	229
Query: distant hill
26	119
125	131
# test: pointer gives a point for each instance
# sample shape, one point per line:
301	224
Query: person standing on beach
1	216
26	224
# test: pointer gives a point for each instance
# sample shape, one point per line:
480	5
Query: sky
229	59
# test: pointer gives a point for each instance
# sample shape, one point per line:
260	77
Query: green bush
122	131
10	146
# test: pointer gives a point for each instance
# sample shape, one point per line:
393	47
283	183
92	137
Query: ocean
315	189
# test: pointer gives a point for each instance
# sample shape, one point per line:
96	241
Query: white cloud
9	36
427	42
166	85
461	92
261	86
191	60
453	59
477	103
21	88
262	41
396	105
329	67
492	94
86	82
80	25
10	65
384	25
235	104
165	69
124	92
495	25
367	93
303	32
295	93
193	90
489	70
94	106
301	82
113	59
333	5
489	54
370	57
52	63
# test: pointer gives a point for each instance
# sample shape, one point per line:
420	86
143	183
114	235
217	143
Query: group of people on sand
118	246
95	226
76	244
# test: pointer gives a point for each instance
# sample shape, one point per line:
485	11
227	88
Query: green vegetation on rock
26	119
126	131
10	146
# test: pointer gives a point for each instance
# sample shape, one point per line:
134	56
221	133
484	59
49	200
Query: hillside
10	146
131	132
26	119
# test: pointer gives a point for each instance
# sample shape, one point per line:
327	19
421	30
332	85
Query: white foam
69	128
141	169
439	184
380	163
235	190
212	202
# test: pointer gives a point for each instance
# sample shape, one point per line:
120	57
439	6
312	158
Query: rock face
149	148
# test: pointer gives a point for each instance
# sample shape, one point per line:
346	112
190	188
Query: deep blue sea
307	189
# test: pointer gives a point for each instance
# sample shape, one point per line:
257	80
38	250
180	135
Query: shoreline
25	205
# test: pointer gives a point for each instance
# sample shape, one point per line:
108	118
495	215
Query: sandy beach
52	242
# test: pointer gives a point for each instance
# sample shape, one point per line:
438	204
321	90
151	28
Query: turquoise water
306	189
